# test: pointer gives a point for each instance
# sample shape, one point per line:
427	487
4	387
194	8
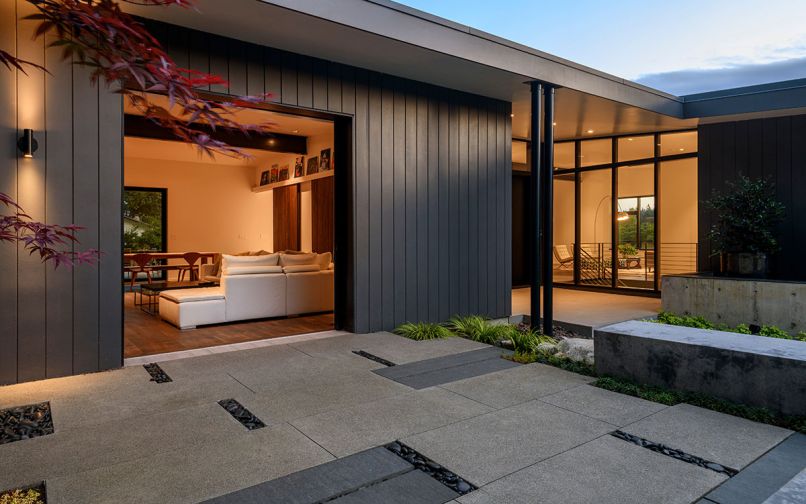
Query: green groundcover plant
701	323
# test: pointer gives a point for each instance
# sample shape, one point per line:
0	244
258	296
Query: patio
520	433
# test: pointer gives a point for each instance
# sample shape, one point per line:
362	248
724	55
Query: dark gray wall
431	178
429	215
56	322
774	148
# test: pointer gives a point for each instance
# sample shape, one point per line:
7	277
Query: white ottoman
188	308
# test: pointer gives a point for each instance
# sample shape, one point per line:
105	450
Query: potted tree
744	234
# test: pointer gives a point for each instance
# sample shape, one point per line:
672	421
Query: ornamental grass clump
479	329
423	331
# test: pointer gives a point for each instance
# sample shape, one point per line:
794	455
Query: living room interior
221	250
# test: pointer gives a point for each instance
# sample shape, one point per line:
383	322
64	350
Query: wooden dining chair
191	258
140	264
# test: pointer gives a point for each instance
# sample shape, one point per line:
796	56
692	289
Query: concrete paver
487	447
724	439
605	471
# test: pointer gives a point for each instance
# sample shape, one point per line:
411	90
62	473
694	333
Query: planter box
747	369
735	301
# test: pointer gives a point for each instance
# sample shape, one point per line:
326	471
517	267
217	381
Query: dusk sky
681	47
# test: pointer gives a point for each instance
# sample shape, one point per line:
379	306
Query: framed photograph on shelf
324	160
264	177
275	174
299	166
283	173
313	166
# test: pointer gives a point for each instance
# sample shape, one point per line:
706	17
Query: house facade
431	143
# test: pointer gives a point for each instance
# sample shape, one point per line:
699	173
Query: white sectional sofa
254	287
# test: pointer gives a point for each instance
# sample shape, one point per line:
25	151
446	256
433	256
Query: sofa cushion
297	259
230	261
188	295
252	270
324	260
301	268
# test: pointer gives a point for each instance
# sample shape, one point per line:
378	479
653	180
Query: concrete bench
742	368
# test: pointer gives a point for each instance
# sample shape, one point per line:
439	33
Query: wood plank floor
146	334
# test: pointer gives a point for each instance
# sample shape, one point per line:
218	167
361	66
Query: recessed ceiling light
295	131
590	131
629	139
511	115
682	149
554	124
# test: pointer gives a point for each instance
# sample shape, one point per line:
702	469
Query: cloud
685	82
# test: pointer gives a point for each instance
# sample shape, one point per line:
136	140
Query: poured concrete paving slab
604	471
517	385
724	439
611	407
412	487
349	430
113	442
195	472
794	492
490	446
764	477
323	482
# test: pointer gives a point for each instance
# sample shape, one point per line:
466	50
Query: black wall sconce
27	143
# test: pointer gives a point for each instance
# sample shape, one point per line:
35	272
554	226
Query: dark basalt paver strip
409	488
431	468
25	422
241	414
157	373
379	360
674	453
449	368
326	482
763	478
31	494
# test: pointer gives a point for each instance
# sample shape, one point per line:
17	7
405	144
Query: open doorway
219	250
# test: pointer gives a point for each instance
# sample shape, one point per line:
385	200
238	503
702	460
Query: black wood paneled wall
57	322
431	178
773	148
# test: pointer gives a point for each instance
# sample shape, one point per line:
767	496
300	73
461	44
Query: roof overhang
749	101
387	37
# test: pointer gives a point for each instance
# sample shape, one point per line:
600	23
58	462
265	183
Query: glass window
635	219
564	155
595	228
519	152
678	216
144	220
678	143
596	152
564	228
637	147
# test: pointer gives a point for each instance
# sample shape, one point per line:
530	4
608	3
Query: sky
681	46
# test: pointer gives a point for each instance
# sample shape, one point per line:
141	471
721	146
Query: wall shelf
292	181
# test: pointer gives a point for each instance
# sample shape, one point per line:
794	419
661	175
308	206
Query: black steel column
534	192
548	209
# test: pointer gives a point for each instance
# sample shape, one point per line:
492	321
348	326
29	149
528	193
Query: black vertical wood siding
773	148
431	168
58	322
430	204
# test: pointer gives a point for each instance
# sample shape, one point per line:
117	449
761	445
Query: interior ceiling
278	123
166	150
577	113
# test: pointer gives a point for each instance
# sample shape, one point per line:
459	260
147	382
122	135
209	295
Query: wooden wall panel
8	185
286	217
757	148
322	207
